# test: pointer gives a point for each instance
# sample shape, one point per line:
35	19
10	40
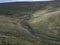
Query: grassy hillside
20	21
11	31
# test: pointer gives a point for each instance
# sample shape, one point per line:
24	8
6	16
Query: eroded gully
25	25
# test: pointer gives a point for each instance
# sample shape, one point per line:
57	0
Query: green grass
43	14
45	23
14	33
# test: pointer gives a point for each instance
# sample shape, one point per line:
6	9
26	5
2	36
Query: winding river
25	25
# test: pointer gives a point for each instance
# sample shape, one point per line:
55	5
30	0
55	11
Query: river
25	25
